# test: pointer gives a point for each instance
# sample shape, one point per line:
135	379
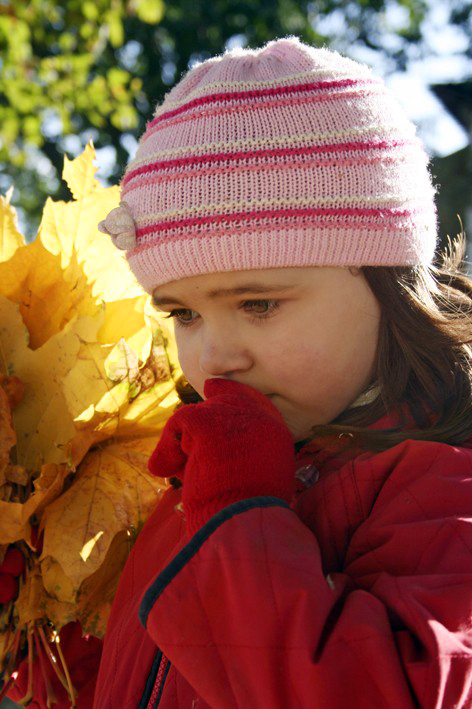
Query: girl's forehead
213	284
249	283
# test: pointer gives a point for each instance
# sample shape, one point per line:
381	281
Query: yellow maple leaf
15	516
10	236
123	318
49	296
99	367
139	403
96	593
111	492
73	226
42	422
80	173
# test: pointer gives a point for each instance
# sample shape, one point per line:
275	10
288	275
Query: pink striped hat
287	155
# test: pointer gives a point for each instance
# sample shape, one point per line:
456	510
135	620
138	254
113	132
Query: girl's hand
232	446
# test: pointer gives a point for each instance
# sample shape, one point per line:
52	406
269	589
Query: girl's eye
179	317
260	310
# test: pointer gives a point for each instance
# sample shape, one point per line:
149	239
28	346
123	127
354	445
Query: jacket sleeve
247	615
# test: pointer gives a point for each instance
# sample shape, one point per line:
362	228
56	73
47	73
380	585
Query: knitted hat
282	156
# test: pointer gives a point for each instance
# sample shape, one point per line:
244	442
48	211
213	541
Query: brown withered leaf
56	583
48	477
112	491
7	434
34	603
96	593
15	516
58	612
122	363
14	389
17	474
7	638
31	597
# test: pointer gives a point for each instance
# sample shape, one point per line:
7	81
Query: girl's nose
222	353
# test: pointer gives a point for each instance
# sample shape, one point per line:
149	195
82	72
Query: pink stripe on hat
240	156
328	173
244	95
382	214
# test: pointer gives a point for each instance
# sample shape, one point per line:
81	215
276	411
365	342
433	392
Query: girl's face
304	337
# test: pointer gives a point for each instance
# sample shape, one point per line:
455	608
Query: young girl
315	548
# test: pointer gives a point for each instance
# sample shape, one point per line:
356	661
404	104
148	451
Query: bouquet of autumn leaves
88	376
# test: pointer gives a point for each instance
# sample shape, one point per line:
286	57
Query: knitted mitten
232	446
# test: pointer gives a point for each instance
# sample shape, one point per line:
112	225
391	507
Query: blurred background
77	70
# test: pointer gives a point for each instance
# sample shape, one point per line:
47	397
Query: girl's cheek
189	364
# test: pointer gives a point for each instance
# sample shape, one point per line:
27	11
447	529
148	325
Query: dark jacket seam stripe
190	549
150	681
158	699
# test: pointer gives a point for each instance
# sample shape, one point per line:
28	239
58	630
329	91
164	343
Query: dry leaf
7	434
87	382
98	590
59	613
14	389
57	584
15	516
122	363
42	422
31	597
69	226
17	474
123	318
112	491
49	296
80	173
10	236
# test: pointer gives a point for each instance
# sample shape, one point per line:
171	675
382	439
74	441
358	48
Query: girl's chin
299	433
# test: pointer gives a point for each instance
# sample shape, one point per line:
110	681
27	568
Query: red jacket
358	595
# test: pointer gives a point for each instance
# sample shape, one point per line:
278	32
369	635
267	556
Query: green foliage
95	68
52	56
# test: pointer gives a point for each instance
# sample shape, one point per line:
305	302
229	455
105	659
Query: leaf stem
53	661
72	692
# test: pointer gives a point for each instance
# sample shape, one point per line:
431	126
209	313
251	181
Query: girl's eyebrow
243	289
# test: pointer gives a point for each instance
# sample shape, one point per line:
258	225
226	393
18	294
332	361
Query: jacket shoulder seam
196	542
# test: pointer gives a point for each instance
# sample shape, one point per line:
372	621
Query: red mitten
232	446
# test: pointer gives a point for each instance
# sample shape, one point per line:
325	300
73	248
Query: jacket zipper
159	683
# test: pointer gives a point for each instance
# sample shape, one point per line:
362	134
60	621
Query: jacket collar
320	450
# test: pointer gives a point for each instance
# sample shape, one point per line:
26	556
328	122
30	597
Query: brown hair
424	357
